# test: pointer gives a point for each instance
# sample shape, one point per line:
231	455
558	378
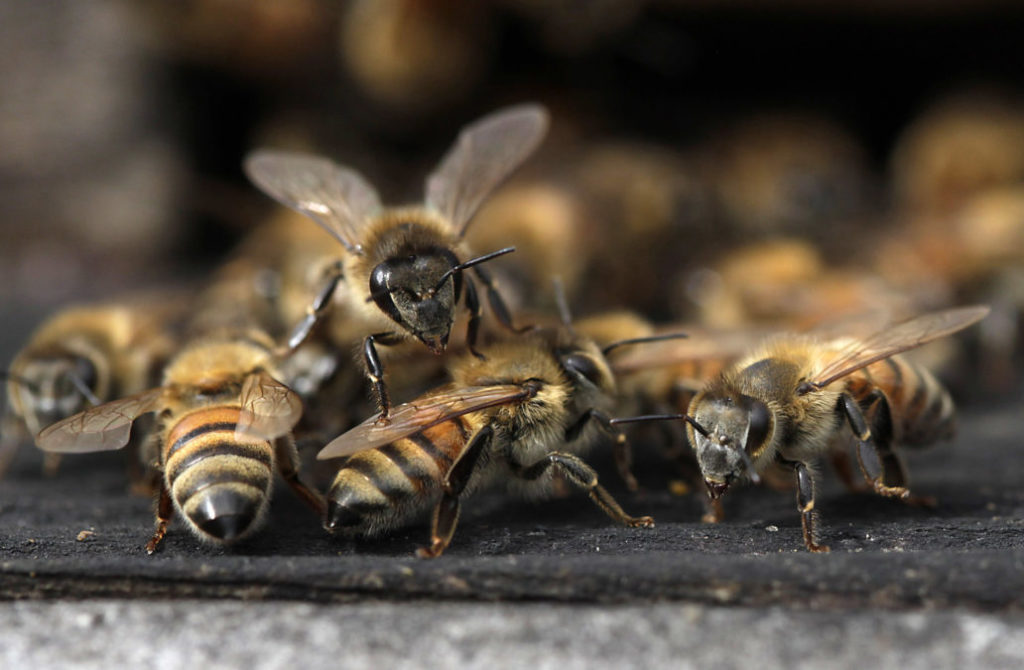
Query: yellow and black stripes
382	488
921	407
219	480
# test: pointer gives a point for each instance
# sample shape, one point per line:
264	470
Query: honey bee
786	403
223	430
403	273
512	419
84	356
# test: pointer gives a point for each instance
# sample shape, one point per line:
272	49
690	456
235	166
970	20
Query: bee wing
898	338
102	428
484	154
269	408
699	348
430	410
336	197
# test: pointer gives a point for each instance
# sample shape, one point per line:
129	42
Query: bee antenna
663	417
85	391
17	379
564	313
471	262
642	340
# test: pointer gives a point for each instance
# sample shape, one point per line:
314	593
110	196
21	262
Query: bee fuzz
84	536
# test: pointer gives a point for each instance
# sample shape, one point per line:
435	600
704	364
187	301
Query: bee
83	356
223	422
786	404
403	269
513	419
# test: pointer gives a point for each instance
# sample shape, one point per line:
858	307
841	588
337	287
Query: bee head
52	388
418	291
587	368
732	427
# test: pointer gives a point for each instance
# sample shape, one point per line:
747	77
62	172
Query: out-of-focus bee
84	356
787	283
415	55
223	431
512	419
959	147
786	403
789	174
403	270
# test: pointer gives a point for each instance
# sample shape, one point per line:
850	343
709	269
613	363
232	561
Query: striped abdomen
922	409
389	486
219	481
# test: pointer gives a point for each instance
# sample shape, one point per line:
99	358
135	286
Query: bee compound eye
583	365
380	291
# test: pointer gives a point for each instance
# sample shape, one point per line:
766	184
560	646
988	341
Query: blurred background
728	162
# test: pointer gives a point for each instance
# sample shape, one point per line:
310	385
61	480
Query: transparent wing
898	338
102	428
434	408
483	155
269	408
336	197
712	348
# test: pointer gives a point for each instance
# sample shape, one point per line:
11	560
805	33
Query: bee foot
640	522
818	548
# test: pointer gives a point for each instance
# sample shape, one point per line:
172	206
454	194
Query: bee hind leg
583	476
880	465
288	465
446	514
164	514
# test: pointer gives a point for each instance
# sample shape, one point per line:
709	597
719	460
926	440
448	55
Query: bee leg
621	450
874	447
8	446
583	476
51	463
314	312
164	514
713	510
805	504
473	327
891	478
844	470
375	370
496	302
288	465
446	514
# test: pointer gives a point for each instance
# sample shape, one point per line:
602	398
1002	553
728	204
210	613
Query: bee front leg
473	327
288	464
375	370
164	514
314	312
583	476
621	450
446	514
496	302
805	504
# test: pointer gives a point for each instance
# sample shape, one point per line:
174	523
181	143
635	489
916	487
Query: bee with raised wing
403	271
224	423
509	420
787	402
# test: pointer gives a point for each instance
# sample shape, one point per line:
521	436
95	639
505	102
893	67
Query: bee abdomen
922	409
389	486
219	481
